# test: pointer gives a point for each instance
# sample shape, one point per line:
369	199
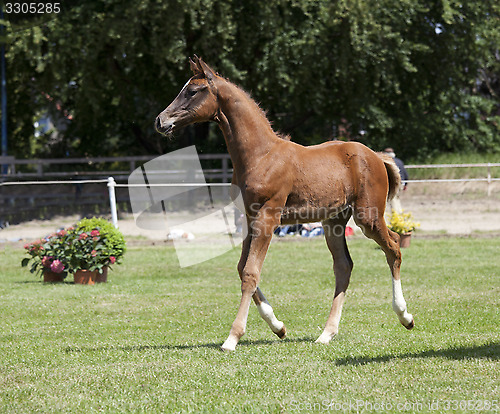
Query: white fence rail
489	165
488	179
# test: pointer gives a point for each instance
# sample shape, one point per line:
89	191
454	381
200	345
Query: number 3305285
32	8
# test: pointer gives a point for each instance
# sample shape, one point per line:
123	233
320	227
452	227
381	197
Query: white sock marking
267	313
399	303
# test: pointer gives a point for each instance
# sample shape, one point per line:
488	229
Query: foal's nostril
157	123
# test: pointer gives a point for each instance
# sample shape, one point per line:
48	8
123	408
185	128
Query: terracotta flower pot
405	240
86	277
51	277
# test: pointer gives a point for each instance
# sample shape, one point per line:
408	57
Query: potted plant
403	224
49	256
99	244
85	250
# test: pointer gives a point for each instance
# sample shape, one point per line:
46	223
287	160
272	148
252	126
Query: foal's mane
252	103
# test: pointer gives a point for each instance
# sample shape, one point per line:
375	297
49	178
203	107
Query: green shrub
114	239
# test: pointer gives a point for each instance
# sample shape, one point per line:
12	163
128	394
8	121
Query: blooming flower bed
91	245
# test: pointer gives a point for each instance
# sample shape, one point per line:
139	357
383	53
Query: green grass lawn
148	340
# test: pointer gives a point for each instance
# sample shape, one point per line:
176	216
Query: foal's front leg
263	306
252	257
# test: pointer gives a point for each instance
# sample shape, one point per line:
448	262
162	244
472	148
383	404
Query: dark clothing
402	170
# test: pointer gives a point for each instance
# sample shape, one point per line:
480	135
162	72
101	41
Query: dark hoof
282	333
411	325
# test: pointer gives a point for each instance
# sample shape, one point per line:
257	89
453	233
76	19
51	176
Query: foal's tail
392	174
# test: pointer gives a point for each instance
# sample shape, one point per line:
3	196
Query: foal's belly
309	213
315	200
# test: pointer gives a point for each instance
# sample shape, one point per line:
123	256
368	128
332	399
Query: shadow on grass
490	350
28	282
141	348
42	283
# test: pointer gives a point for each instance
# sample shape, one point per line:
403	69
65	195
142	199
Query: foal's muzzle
163	128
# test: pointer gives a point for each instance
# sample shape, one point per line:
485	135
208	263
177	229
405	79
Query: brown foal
282	182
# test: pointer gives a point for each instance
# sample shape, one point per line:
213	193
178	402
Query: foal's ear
195	67
201	68
207	70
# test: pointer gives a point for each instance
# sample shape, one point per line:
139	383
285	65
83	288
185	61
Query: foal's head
196	102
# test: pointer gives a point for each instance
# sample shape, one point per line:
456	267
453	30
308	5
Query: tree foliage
417	75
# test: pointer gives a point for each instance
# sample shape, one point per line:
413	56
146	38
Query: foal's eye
192	92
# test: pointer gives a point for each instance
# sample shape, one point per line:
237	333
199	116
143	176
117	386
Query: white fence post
112	200
489	179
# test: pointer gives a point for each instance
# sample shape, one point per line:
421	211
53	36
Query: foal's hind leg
371	221
267	313
342	268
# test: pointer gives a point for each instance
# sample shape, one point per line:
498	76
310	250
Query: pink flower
47	261
95	233
112	259
35	246
93	253
62	233
57	266
83	236
27	246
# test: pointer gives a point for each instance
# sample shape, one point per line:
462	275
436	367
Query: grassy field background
148	341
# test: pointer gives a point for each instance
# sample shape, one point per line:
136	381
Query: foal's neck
246	129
